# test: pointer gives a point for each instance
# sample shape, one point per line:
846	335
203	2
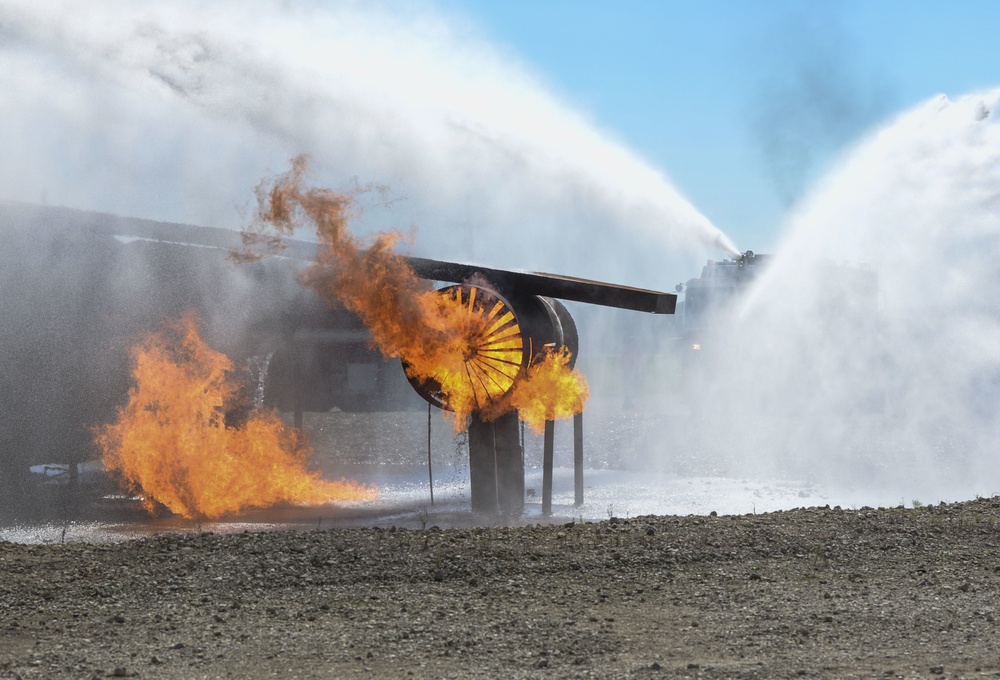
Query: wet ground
404	501
631	469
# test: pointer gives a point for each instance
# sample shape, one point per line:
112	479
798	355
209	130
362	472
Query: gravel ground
812	592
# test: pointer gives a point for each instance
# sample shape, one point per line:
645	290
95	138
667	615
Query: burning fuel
466	342
171	441
550	375
483	362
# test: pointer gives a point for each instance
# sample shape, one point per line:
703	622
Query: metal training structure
108	279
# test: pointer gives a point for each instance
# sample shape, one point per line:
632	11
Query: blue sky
743	104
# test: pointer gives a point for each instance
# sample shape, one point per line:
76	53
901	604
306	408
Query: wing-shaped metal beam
507	281
549	285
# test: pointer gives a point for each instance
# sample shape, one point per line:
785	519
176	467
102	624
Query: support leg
482	466
509	465
549	447
578	458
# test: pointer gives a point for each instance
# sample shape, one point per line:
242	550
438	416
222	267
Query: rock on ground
812	592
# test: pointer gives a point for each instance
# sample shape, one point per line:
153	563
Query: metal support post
578	458
548	449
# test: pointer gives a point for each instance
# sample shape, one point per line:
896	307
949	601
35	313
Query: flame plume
453	341
171	440
492	355
550	390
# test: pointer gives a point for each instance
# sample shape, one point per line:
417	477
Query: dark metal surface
549	285
126	229
578	459
496	466
508	282
548	451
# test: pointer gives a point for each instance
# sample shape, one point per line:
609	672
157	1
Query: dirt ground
814	592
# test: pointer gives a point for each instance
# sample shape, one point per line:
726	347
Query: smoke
888	396
466	347
816	103
173	110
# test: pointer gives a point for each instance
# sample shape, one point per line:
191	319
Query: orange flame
550	391
442	338
171	440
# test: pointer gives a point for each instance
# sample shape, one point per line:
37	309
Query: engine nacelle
518	329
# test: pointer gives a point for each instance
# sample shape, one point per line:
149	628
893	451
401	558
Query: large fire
171	440
468	344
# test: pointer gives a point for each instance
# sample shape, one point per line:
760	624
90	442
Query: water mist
875	400
174	110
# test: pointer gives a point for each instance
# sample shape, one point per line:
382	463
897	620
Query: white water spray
259	365
883	400
175	110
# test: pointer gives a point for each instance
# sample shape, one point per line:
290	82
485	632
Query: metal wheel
494	350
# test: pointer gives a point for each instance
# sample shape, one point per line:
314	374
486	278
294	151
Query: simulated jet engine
515	333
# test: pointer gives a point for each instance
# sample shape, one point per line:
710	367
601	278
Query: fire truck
746	343
708	300
711	310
